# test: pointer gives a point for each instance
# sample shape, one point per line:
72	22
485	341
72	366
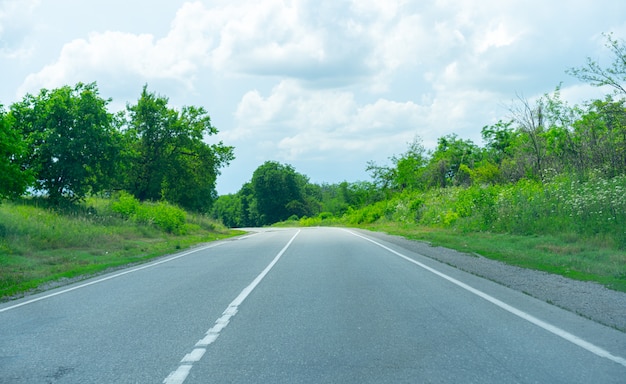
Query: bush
325	215
125	204
310	221
436	205
476	206
369	214
163	215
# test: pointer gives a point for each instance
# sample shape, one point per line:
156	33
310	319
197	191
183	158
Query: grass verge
572	256
40	246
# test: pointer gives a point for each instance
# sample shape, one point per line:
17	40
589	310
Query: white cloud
310	41
294	122
265	38
270	38
322	45
496	37
290	107
119	55
15	23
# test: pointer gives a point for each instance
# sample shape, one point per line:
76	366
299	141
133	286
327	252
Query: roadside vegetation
41	245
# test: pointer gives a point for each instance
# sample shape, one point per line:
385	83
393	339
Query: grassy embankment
572	228
40	245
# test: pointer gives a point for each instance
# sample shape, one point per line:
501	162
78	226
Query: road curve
314	305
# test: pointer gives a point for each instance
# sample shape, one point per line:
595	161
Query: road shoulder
587	299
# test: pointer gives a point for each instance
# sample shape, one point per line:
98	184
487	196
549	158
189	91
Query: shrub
325	215
310	221
163	215
476	205
125	204
169	217
369	213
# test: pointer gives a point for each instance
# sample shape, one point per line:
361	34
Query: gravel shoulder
587	299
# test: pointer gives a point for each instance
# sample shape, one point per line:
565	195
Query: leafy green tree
360	193
279	192
558	119
249	210
169	158
13	177
446	161
499	139
229	210
339	198
410	165
332	198
600	137
406	169
72	145
382	175
599	134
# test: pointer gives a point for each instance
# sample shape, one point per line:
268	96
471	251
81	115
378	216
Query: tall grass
40	244
592	208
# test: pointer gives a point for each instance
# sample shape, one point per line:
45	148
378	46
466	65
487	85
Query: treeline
542	144
277	193
65	145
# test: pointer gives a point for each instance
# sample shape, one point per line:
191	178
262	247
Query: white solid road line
145	266
517	312
180	374
109	277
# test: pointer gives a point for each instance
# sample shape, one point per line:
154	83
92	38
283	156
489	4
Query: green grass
581	258
40	245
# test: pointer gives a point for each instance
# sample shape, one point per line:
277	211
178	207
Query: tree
410	165
600	137
249	212
229	210
614	76
13	177
405	171
531	141
279	192
383	176
72	146
559	118
169	158
446	161
499	139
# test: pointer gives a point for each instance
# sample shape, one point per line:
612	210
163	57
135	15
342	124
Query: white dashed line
180	375
194	356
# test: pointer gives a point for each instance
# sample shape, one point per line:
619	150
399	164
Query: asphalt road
317	305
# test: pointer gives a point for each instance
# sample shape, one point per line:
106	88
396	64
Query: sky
324	86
